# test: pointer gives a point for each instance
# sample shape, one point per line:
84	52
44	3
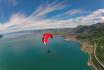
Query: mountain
89	31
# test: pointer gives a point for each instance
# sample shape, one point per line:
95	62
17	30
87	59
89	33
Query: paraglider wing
45	38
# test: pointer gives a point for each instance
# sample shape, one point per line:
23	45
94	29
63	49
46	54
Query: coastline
83	47
89	62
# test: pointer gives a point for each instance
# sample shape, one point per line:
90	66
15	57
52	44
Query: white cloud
92	18
18	22
45	9
74	11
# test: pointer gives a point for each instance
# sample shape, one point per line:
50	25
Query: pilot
49	51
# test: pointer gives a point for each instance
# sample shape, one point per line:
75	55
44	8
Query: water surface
27	52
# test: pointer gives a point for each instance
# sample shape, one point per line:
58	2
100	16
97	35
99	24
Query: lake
26	52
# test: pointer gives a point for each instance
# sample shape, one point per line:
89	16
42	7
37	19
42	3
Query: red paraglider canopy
46	36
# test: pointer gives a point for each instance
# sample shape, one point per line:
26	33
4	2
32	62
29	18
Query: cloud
92	18
74	11
19	22
45	9
102	18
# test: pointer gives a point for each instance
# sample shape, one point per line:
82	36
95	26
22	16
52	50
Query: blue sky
9	7
17	15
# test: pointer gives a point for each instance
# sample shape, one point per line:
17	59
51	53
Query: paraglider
46	36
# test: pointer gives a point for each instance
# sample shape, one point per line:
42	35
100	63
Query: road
97	58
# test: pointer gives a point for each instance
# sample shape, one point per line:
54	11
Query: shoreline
89	62
90	53
83	48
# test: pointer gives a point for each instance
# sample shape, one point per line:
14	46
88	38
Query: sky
18	15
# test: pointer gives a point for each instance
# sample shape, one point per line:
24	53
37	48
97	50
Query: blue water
27	52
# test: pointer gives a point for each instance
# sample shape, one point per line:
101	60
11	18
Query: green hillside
94	34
